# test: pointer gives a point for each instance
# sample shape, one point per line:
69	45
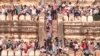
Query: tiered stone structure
23	28
81	30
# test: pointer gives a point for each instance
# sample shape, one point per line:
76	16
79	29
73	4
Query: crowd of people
68	9
12	45
52	47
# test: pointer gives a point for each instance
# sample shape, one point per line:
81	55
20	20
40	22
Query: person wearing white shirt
3	11
34	11
76	47
34	14
50	19
96	11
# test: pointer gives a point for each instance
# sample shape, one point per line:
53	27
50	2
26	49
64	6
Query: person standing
84	45
66	50
54	10
97	46
91	48
76	47
71	44
85	48
50	19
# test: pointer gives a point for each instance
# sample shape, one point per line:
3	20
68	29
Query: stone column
41	30
60	28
